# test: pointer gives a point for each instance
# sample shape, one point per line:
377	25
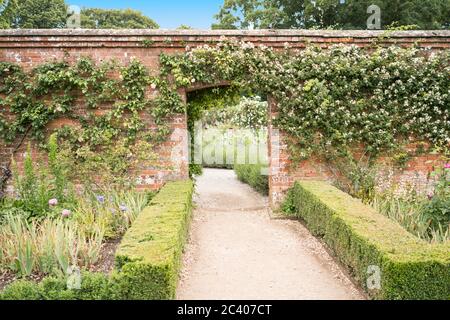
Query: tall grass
49	246
412	216
52	245
115	212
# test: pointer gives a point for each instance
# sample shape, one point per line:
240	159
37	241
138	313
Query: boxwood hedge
149	255
364	240
251	174
147	261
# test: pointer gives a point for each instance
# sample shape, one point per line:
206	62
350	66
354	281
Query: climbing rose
66	213
447	166
53	202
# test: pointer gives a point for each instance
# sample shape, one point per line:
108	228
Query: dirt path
236	251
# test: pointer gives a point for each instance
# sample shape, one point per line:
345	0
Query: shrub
361	237
94	286
251	174
148	258
427	217
49	247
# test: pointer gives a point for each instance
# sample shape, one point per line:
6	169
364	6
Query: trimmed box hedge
147	261
149	255
251	175
361	237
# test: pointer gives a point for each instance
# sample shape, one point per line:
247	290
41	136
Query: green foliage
426	216
46	247
5	10
361	237
148	258
254	176
110	141
93	18
248	113
195	170
37	185
437	210
114	210
355	177
330	101
411	214
184	27
301	14
34	14
94	286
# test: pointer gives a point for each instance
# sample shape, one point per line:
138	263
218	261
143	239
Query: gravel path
236	251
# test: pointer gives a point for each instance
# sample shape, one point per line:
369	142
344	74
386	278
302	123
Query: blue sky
169	14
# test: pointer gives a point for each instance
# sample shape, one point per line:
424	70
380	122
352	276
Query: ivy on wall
106	102
339	99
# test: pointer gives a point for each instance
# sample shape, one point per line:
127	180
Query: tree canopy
29	14
92	18
351	14
48	14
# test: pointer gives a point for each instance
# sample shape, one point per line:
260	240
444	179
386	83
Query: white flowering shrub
249	113
337	98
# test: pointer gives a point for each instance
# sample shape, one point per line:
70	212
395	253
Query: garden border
364	240
148	259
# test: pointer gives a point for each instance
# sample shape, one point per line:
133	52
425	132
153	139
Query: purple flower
123	208
101	199
66	213
53	202
430	195
447	166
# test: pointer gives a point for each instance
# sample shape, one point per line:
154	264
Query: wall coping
218	33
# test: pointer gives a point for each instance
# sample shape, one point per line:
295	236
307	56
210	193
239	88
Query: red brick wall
33	47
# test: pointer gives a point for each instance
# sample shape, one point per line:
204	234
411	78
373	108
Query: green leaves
306	14
93	18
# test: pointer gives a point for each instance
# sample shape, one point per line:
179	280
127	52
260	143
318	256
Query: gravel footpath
236	251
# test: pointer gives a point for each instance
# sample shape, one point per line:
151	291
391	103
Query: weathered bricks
33	47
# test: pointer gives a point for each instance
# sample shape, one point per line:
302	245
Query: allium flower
66	213
101	199
53	202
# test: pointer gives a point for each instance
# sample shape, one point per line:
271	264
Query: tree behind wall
115	19
33	14
48	14
352	14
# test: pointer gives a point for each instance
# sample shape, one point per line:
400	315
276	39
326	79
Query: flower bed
147	260
367	242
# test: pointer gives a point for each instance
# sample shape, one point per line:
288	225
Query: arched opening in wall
228	130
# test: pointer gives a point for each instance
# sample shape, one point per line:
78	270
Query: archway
228	129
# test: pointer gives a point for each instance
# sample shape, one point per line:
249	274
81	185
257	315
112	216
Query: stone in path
236	251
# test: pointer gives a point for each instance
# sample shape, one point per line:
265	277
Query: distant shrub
252	175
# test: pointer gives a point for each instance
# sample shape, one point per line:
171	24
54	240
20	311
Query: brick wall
33	47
